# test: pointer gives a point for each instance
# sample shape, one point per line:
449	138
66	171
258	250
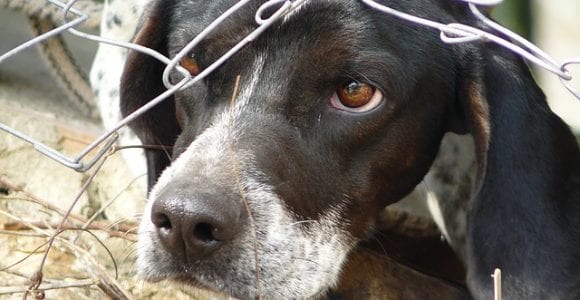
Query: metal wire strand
460	33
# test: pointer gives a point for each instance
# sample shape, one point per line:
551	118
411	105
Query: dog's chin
191	278
154	265
191	281
182	277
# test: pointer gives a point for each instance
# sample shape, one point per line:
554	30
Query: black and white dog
340	111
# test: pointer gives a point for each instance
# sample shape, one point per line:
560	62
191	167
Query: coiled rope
43	17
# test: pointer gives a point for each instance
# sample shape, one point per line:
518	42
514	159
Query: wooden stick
49	286
497	284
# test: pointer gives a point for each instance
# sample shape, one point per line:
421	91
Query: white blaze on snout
294	11
296	260
250	83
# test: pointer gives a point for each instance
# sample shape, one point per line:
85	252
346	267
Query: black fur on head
525	208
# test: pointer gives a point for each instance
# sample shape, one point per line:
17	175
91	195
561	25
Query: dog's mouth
192	279
197	281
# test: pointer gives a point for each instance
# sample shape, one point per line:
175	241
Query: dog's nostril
205	232
162	221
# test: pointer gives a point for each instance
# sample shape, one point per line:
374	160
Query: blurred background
555	27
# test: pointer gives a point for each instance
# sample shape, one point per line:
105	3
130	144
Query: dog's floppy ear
142	81
528	169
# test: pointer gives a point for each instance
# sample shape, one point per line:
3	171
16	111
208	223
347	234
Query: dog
406	236
340	111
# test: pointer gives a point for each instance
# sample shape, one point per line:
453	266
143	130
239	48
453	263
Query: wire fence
93	156
449	33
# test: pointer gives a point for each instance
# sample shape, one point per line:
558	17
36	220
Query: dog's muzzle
214	220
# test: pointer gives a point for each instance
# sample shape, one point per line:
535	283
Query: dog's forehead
328	24
190	18
205	12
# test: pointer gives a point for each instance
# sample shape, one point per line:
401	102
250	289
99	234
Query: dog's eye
190	64
354	96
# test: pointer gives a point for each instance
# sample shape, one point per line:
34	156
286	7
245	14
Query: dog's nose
193	226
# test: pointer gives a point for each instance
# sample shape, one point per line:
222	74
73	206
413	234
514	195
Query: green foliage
515	15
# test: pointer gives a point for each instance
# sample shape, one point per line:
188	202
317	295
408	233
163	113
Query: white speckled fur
448	185
106	73
247	88
297	261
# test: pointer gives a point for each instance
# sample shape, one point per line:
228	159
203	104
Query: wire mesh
449	33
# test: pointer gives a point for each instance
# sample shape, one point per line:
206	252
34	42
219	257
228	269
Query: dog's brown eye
356	96
190	64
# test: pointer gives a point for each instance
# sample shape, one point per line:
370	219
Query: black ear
528	183
142	81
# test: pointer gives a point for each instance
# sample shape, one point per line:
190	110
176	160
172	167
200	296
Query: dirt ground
94	256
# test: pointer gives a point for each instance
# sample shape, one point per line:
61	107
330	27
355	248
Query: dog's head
339	112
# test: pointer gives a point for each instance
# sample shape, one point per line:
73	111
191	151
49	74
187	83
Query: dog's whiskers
302	222
236	173
306	259
380	243
166	149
